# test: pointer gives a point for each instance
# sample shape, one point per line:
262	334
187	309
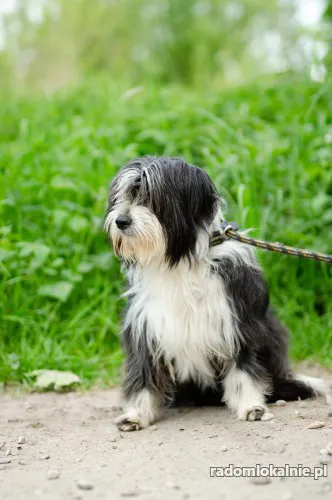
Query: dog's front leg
146	387
140	410
244	395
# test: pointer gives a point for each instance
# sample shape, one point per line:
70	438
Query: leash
229	231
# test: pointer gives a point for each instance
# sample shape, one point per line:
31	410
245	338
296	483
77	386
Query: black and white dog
198	325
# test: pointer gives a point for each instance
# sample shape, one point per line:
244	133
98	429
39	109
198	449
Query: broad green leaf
53	379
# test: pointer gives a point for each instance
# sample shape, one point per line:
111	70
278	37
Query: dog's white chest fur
184	313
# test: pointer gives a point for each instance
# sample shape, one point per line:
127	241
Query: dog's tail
302	387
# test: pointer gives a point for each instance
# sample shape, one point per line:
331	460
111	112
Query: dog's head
161	208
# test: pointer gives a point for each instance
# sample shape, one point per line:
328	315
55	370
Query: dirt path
73	436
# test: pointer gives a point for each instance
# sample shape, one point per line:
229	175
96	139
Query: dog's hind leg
244	395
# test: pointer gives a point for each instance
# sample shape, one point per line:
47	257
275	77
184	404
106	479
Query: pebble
128	494
5	461
324	459
113	440
8	452
153	428
53	474
82	484
44	456
224	448
329	448
21	440
280	402
316	425
267	416
3	467
260	480
2	444
298	414
170	484
21	462
302	404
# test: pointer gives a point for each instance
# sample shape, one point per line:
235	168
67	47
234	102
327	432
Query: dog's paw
128	424
253	413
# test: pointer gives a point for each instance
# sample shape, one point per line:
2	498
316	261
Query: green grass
268	148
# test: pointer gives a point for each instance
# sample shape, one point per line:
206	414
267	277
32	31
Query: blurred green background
241	87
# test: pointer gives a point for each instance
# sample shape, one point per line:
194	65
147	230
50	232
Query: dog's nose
123	221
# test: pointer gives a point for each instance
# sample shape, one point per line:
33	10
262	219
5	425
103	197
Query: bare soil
66	446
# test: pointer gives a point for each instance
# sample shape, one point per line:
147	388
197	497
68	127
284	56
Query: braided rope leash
229	231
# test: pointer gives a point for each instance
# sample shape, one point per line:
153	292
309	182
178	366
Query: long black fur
185	200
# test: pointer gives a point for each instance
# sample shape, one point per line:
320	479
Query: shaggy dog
198	326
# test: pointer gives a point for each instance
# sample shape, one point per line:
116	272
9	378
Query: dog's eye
135	189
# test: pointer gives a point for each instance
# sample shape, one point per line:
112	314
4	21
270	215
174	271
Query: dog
198	326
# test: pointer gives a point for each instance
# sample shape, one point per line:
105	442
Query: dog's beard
142	242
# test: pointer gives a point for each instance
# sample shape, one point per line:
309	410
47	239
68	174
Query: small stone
27	405
323	451
82	484
324	459
316	425
113	440
128	494
329	448
223	448
153	428
260	480
5	461
21	440
172	485
53	474
45	456
280	448
280	402
181	429
8	452
326	487
2	445
3	467
21	462
298	414
114	447
213	436
302	404
267	416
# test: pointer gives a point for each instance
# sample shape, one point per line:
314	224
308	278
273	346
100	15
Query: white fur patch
143	409
185	314
243	395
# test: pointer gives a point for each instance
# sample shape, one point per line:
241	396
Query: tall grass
268	149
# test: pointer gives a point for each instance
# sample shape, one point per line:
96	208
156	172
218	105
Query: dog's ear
185	201
203	198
